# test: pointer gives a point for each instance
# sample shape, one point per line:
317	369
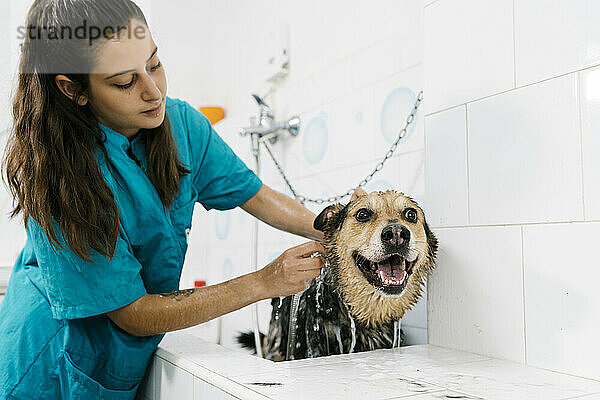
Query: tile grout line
467	157
592	221
524	296
513	89
578	99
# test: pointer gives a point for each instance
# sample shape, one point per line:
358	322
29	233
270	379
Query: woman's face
127	81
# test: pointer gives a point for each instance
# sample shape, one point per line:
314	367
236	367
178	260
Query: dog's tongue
391	271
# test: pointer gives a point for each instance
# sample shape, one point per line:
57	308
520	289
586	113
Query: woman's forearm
160	313
152	314
282	212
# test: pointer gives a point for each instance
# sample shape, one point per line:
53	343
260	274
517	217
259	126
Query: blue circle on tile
358	117
227	268
394	112
222	225
315	135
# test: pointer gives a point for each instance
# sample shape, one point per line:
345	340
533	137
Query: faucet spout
264	125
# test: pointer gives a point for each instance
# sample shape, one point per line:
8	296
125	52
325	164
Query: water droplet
353	331
338	336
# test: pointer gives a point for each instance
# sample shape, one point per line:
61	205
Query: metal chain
379	167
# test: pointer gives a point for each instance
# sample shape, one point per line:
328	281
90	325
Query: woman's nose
150	91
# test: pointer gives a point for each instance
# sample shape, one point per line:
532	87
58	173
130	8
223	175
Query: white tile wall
446	177
414	335
476	292
393	100
525	155
561	279
468	51
352	121
4	278
6	75
529	161
589	90
12	231
412	176
555	37
174	383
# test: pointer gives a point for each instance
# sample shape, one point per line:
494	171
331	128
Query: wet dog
379	253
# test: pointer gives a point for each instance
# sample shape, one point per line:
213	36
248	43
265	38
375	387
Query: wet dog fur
370	242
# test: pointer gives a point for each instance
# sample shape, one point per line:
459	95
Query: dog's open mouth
388	275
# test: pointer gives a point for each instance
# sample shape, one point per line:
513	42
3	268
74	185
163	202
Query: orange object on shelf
214	114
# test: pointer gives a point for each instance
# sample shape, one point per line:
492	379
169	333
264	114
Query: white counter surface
186	367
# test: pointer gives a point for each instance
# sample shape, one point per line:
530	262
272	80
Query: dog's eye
363	215
411	215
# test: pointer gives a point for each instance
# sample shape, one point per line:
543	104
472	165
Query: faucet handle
293	125
259	100
265	110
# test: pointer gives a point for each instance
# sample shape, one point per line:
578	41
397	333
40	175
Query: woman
106	170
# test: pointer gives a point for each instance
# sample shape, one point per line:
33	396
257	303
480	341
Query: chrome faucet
263	126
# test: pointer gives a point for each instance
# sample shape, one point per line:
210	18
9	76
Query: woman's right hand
292	271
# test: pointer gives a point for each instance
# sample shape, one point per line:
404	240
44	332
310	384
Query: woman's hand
292	271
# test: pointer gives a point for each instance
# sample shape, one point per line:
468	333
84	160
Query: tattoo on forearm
179	294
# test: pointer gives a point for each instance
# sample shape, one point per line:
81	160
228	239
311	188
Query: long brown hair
50	162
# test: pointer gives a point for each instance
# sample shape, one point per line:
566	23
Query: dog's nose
395	234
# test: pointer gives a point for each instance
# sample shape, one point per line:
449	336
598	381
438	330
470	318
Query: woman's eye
363	215
411	215
127	85
157	66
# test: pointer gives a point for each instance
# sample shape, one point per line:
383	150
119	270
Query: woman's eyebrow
132	70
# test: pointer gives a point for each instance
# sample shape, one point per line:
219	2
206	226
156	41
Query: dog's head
380	251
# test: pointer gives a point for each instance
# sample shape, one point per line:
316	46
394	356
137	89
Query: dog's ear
331	217
358	192
431	241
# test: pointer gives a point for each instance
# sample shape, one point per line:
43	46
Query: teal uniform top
55	339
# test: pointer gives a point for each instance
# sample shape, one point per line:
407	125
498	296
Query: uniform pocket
78	385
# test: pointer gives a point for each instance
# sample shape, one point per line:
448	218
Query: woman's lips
154	112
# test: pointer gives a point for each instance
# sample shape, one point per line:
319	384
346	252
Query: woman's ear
330	217
67	87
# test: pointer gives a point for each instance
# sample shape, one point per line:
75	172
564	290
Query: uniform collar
121	144
114	138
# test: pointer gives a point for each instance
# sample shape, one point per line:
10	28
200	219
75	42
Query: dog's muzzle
395	237
389	275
